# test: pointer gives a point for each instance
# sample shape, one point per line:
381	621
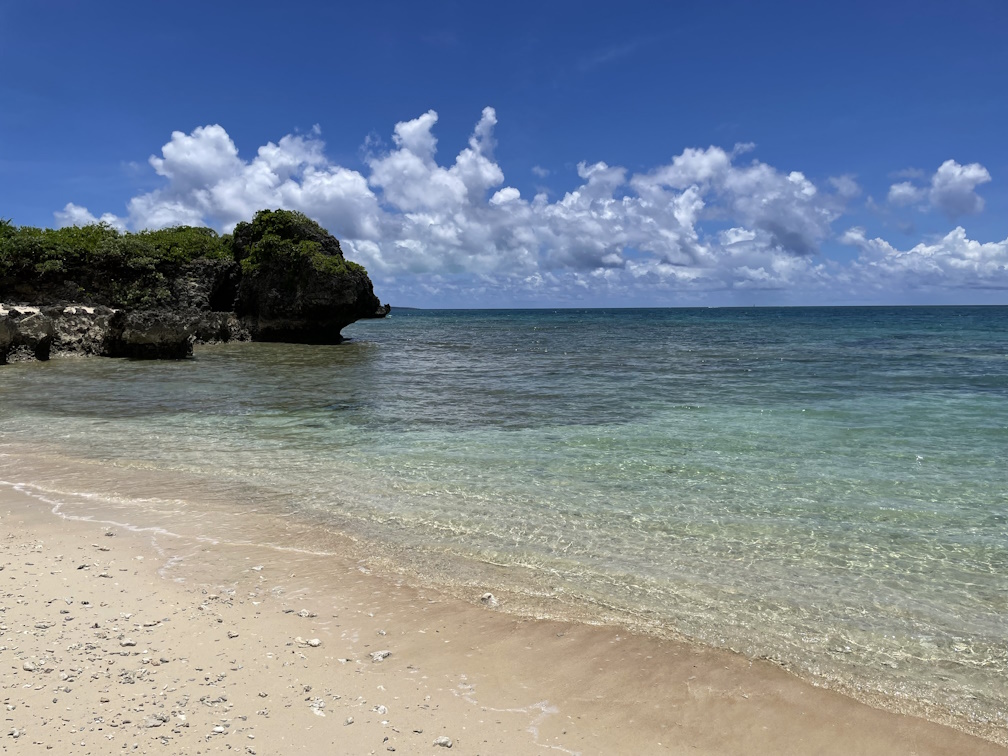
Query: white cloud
951	262
952	190
75	215
208	183
455	232
846	186
904	193
192	161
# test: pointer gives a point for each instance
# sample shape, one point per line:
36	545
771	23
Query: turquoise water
824	487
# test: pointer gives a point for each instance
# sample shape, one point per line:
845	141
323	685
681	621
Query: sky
537	154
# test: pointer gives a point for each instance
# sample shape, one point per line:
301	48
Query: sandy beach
135	639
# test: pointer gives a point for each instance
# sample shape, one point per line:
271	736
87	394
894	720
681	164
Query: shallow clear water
826	487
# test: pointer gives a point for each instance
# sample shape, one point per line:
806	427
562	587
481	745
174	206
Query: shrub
287	238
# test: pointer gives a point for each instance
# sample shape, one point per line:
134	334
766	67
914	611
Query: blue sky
538	154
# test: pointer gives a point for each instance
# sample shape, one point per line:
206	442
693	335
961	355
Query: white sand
114	641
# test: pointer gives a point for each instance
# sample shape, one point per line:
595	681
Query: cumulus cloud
904	193
431	229
953	261
952	190
411	179
208	183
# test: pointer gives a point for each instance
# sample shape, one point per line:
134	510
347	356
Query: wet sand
116	639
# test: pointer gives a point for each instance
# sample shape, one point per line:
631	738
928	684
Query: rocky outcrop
25	334
304	304
80	330
216	327
28	333
296	285
280	277
149	334
206	286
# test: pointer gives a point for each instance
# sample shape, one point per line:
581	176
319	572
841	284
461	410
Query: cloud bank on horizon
711	226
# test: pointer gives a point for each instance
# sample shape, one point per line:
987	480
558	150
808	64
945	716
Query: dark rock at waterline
149	335
25	334
6	337
31	334
216	327
296	285
304	304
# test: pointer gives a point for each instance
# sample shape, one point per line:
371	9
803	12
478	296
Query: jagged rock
216	327
6	336
207	285
80	330
27	334
149	334
296	284
304	305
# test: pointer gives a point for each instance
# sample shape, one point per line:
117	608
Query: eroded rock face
6	337
207	286
33	334
80	330
149	334
296	285
216	327
26	334
304	305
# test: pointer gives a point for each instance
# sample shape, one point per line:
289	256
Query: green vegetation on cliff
98	264
288	238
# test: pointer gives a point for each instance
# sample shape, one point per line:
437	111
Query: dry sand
121	641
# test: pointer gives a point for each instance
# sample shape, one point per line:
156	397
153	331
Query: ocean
826	488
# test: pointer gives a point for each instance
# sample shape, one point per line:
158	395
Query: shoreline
217	623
